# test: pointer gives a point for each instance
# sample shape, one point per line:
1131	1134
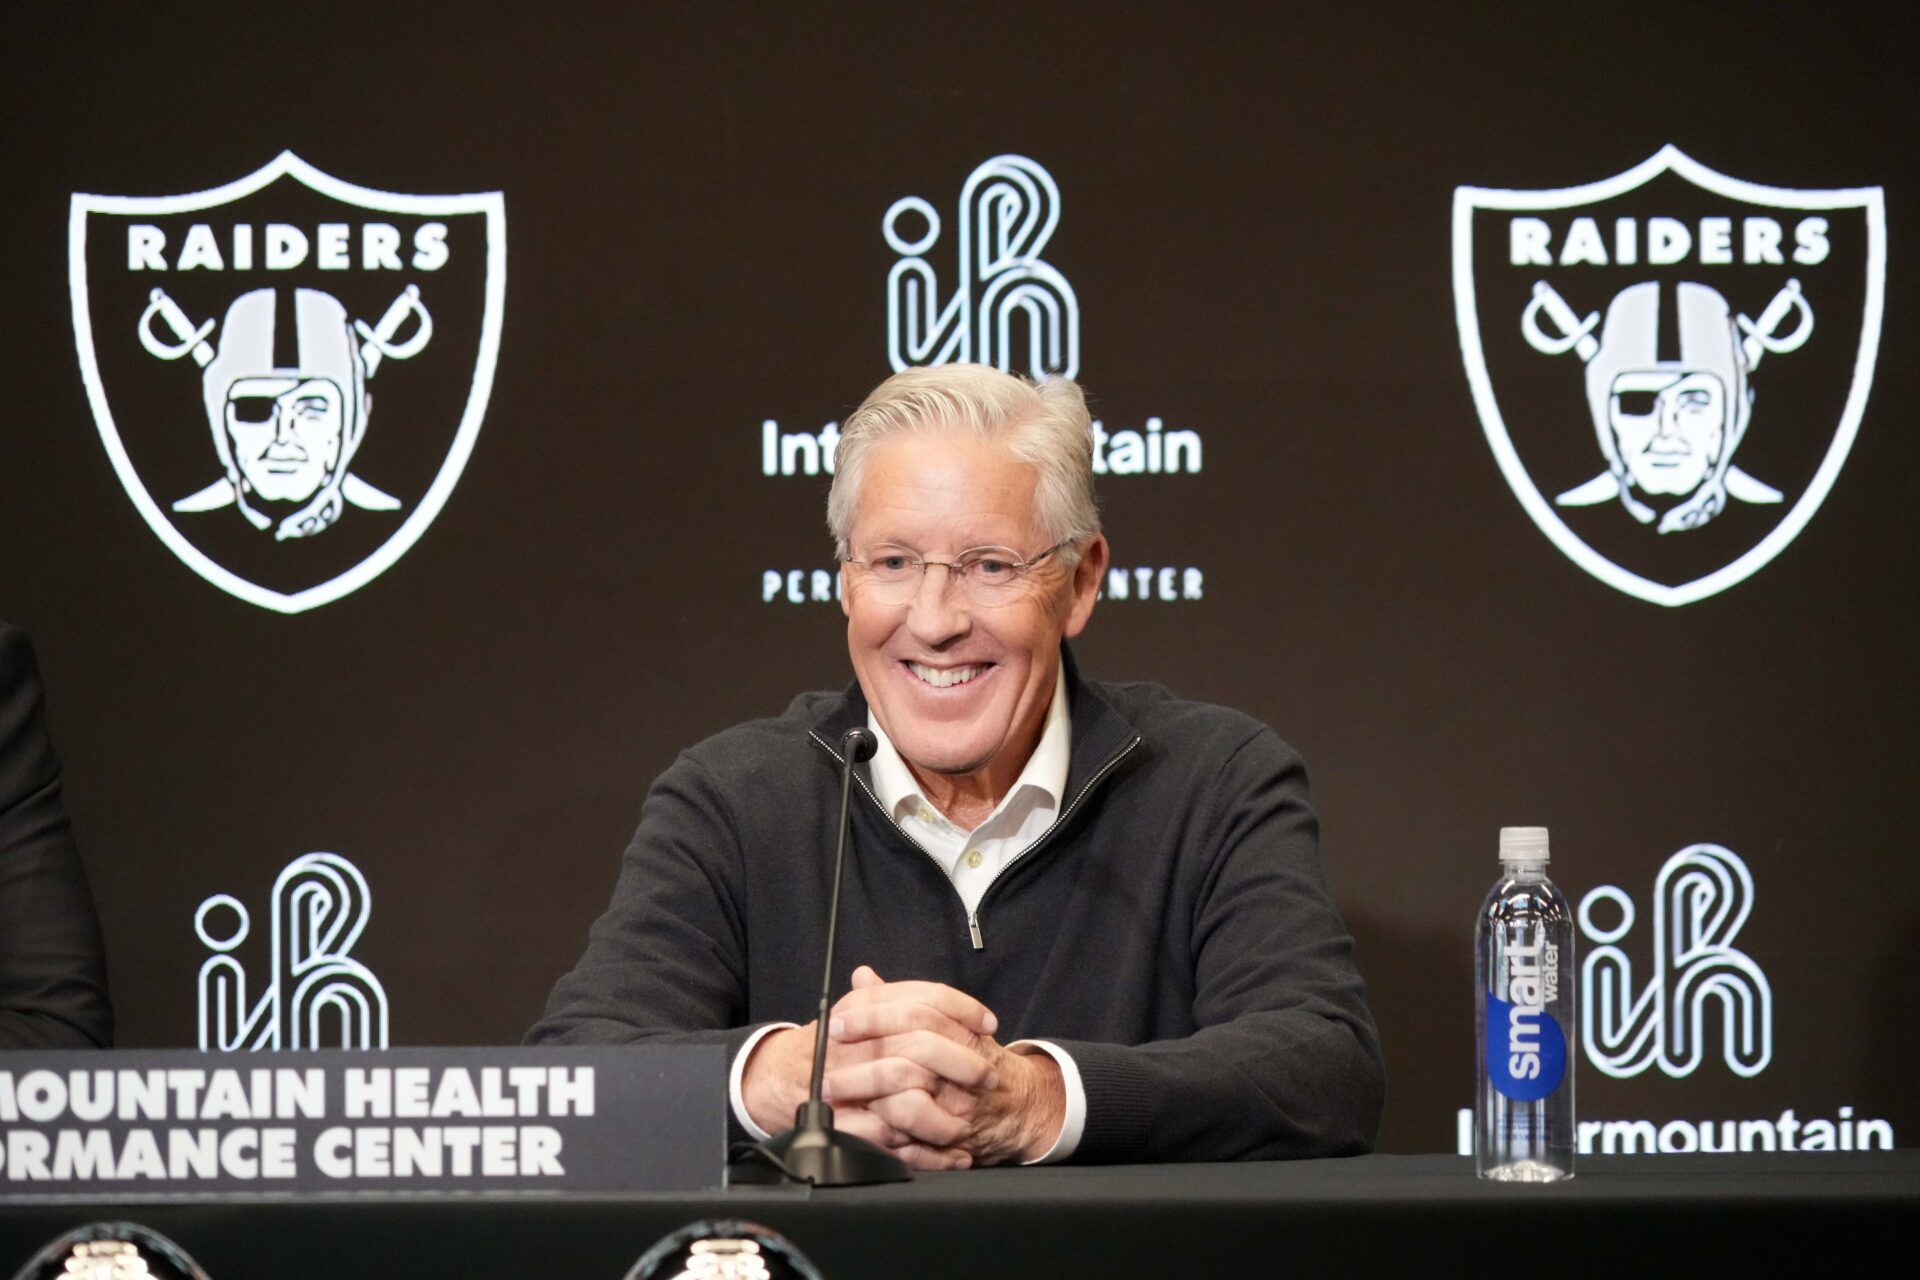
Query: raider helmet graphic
1668	427
293	295
286	398
1643	357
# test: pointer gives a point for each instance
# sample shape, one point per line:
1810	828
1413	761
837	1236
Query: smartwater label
1526	1050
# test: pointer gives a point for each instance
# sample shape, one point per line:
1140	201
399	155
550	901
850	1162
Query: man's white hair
1044	424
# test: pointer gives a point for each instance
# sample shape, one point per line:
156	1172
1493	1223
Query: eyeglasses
988	575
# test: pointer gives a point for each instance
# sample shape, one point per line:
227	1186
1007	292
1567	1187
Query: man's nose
283	421
937	612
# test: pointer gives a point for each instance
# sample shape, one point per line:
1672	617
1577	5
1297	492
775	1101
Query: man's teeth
942	677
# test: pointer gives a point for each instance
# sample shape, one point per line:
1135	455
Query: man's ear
1087	577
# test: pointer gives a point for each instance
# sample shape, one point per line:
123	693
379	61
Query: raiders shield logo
1671	364
288	372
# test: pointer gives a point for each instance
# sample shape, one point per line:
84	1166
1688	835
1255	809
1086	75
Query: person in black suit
53	969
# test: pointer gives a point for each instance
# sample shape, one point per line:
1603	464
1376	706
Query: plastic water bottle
1526	1019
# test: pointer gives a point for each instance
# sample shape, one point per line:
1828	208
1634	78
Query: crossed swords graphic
376	343
1575	334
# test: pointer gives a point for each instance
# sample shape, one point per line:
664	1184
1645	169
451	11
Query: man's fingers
915	1114
869	1080
918	1156
862	1123
955	1101
957	1005
863	1082
958	1063
947	1060
865	1021
867	976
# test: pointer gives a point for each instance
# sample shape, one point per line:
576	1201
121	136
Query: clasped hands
913	1067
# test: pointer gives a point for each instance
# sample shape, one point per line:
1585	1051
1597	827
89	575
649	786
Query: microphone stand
813	1150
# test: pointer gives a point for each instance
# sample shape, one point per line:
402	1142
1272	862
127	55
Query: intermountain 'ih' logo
1700	899
1008	211
232	341
312	986
1647	365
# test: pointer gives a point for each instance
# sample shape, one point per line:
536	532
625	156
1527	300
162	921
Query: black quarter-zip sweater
1172	931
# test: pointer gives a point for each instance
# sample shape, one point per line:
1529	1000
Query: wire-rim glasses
986	575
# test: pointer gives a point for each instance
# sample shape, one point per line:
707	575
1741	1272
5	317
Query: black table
1382	1214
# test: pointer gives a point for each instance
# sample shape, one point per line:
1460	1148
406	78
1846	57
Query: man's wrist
1073	1121
1046	1107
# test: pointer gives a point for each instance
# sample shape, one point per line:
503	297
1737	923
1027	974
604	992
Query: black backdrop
1255	214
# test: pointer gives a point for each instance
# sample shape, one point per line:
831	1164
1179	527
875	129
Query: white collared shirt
972	860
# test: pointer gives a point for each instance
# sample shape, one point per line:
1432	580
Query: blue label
1526	1050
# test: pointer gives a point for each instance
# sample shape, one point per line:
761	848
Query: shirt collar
895	787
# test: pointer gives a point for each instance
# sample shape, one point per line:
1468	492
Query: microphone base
824	1157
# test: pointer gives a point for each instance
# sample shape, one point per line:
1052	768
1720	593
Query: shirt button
926	816
975	857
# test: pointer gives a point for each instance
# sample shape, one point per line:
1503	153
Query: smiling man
1081	920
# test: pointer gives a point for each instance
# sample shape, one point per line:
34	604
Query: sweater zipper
973	917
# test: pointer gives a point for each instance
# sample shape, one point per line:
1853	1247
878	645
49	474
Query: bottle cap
1523	844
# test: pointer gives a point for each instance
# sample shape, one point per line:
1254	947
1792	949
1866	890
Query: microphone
813	1150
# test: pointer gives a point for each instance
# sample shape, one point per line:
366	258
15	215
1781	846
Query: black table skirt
1375	1215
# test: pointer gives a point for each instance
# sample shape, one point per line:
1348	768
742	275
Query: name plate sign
153	1124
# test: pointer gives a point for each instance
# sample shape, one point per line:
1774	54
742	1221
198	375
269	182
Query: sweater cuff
1121	1104
737	1076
